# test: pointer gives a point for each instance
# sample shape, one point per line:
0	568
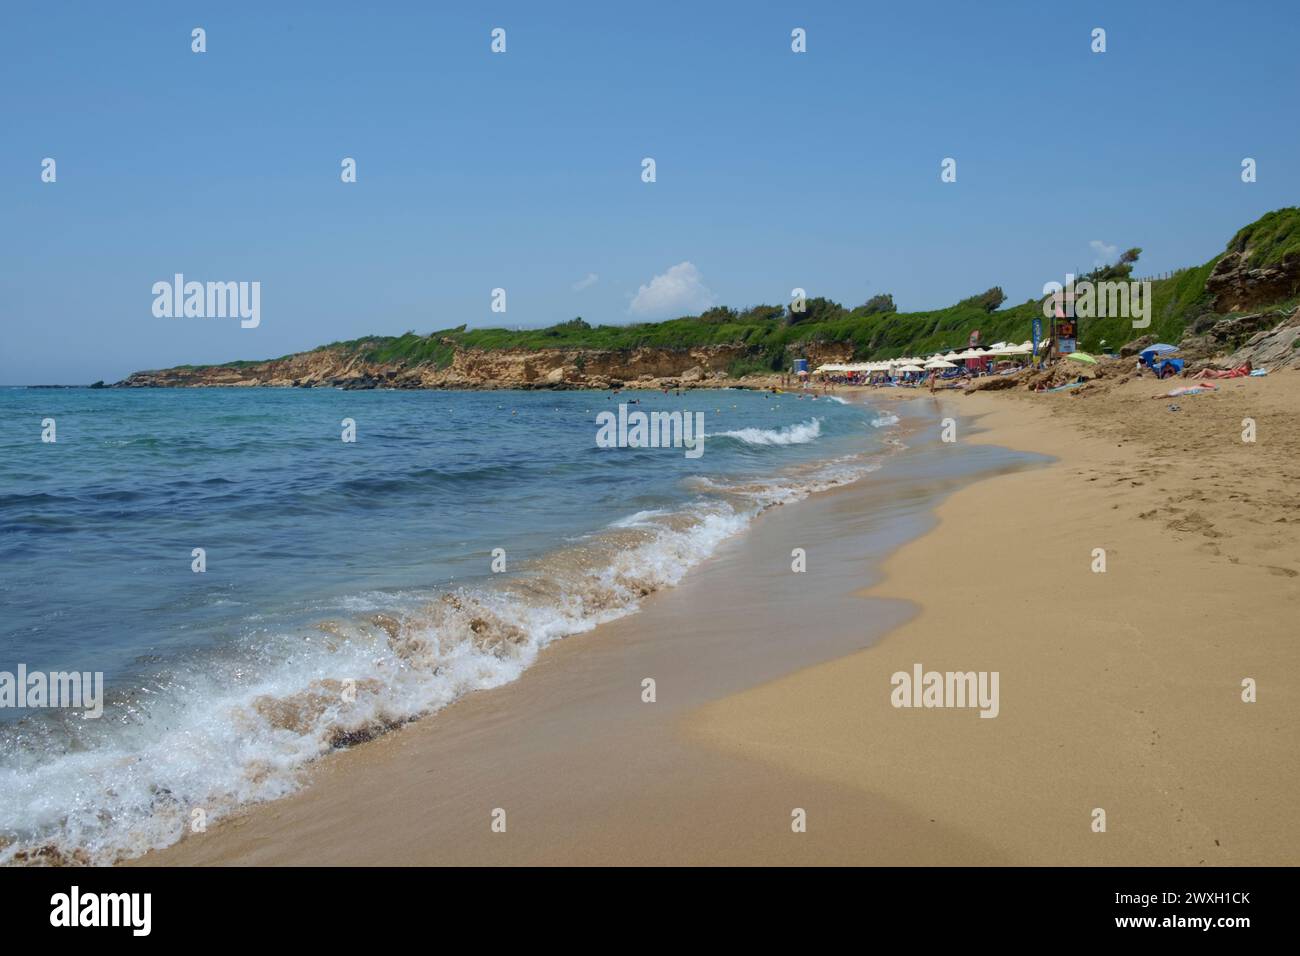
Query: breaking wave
799	434
240	725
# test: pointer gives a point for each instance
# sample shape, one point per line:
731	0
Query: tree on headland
877	304
762	313
989	300
719	315
1119	271
816	309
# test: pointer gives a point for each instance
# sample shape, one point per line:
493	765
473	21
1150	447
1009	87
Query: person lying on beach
1188	390
1241	371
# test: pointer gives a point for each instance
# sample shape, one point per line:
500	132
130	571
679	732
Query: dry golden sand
1119	690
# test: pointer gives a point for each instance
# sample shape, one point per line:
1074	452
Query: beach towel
1187	390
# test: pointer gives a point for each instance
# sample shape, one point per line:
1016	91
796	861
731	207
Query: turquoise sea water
348	586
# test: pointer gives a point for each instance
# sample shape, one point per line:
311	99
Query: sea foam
798	434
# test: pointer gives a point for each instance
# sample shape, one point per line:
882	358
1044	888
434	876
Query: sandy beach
1119	690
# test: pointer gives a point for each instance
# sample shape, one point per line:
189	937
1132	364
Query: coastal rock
1273	348
1236	330
348	368
1131	349
1065	372
1236	286
819	353
996	383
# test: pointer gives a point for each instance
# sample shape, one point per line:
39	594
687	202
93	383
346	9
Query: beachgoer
1241	371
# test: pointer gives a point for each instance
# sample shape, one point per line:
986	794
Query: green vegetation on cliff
773	334
1271	238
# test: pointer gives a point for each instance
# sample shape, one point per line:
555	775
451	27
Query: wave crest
799	434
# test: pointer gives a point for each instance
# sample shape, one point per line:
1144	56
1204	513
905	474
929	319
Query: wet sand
589	773
1119	691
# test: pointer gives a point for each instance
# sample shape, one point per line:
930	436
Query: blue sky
523	170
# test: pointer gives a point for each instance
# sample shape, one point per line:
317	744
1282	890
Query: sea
256	591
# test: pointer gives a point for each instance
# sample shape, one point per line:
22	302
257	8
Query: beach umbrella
1082	357
939	363
911	368
1160	348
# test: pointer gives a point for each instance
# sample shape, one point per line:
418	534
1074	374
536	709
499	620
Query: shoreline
1101	705
596	681
1120	690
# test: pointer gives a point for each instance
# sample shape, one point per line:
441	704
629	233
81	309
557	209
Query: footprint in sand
1194	523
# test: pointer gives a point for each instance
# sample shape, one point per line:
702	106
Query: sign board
1065	336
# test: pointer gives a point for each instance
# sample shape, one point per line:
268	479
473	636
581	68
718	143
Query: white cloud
679	291
586	282
1105	253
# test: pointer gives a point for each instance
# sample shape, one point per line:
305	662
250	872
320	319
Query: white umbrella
911	368
939	363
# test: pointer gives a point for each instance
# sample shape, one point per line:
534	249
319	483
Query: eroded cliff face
487	369
1237	287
